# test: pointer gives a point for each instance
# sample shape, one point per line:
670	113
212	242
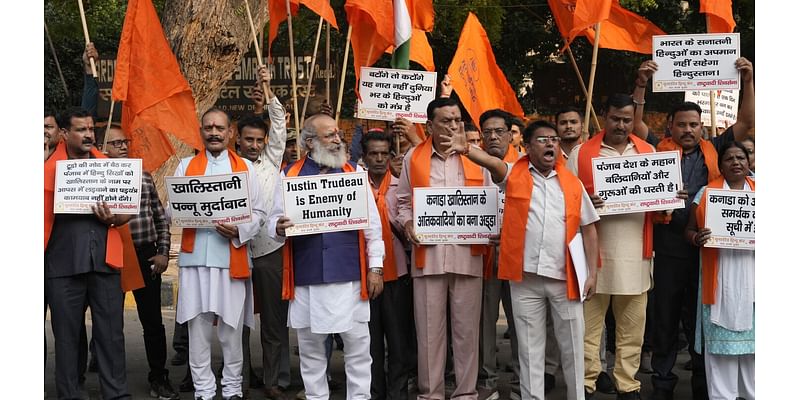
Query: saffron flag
278	14
625	30
421	13
372	24
573	17
719	15
475	76
156	97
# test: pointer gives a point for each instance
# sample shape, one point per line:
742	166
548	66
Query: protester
749	144
540	266
569	123
473	134
446	273
215	267
727	291
77	250
517	126
330	283
51	133
267	252
676	267
151	237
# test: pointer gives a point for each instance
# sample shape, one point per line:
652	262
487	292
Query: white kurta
332	307
204	279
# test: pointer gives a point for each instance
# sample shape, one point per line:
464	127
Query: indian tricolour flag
402	35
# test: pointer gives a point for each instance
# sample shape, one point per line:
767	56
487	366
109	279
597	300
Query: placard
80	184
731	216
326	203
204	201
696	62
388	94
456	215
726	103
638	183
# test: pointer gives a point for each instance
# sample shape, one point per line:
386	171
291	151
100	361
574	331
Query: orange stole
288	255
389	262
120	253
420	177
512	155
519	190
591	149
238	264
710	255
710	157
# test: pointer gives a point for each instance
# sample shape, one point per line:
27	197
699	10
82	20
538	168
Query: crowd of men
403	311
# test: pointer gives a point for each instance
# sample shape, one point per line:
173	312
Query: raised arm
746	118
457	143
645	72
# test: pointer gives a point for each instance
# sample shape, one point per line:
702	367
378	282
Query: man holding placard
676	266
626	251
215	285
544	205
82	261
329	272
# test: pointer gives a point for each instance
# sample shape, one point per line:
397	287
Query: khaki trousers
629	312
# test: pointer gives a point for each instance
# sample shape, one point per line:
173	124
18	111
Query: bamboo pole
328	62
311	73
86	36
258	49
591	80
583	86
58	66
712	98
344	68
293	65
108	126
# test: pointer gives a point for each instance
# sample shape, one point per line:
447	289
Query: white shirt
544	247
266	167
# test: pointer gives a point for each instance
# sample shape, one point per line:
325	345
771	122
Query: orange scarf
512	155
591	149
288	255
420	176
389	265
710	157
120	251
710	255
519	190
238	264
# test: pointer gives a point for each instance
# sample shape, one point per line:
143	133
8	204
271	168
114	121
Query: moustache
214	139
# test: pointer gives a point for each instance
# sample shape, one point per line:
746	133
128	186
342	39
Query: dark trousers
391	318
267	285
67	297
148	305
675	300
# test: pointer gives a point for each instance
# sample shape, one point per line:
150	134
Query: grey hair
307	133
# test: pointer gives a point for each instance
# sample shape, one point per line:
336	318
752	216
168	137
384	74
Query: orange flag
278	14
626	30
574	16
475	76
373	30
420	50
421	13
719	15
156	97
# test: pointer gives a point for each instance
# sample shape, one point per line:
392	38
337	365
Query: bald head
316	126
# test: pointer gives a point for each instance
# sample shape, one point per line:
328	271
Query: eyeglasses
547	139
118	143
500	132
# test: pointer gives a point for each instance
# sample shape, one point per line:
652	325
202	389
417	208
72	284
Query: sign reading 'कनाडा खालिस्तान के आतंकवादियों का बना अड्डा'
637	183
456	215
81	184
696	62
204	201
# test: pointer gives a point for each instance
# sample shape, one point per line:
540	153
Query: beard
327	157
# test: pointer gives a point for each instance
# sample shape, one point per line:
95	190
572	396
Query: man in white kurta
318	310
207	291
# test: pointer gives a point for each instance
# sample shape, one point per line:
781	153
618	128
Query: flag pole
583	86
712	96
58	66
344	69
328	62
110	116
293	64
258	49
86	36
311	73
591	80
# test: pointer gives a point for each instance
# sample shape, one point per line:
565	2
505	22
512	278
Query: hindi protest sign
455	215
326	203
726	103
637	183
203	201
696	62
80	184
387	94
731	216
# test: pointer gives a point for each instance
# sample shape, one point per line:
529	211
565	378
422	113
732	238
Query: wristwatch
378	271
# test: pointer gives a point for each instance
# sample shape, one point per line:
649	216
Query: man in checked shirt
151	237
